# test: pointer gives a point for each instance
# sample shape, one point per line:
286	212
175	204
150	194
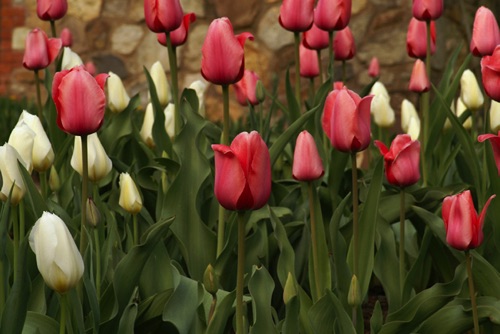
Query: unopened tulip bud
419	82
170	120
374	68
296	15
307	164
495	116
93	214
378	88
470	92
43	154
40	51
200	87
354	295
130	198
344	45
11	175
290	289
146	132
54	180
383	114
70	59
427	10
161	84
118	98
414	128
66	37
51	10
99	164
485	33
22	139
210	280
408	111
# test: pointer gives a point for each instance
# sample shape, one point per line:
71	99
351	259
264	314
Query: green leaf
486	277
129	315
291	322
34	199
377	319
37	323
286	260
223	310
293	104
322	319
261	286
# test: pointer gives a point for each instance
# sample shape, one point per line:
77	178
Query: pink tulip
66	37
315	38
485	33
163	15
374	68
296	15
416	38
419	82
327	114
343	44
51	10
495	145
309	66
245	88
464	229
39	50
222	54
332	15
307	164
427	10
243	172
90	67
179	35
490	70
80	100
346	118
401	161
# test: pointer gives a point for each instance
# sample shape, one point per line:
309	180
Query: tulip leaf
486	277
35	200
293	104
377	319
128	318
37	323
286	259
291	323
223	310
329	313
261	286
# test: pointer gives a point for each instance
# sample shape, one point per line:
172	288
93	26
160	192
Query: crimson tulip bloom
51	10
80	100
401	160
427	10
343	44
222	53
163	15
309	66
40	50
66	37
419	82
307	165
246	89
495	145
416	39
332	15
374	68
315	38
243	172
179	35
490	70
346	120
296	15
485	33
464	229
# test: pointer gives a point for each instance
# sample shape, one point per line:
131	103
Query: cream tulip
118	98
99	164
146	132
414	128
57	256
22	139
378	88
11	175
470	92
130	198
43	154
200	87
70	59
160	80
383	114
170	120
408	111
460	109
495	116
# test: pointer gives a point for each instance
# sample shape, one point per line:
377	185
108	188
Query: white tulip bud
162	87
11	175
146	132
118	98
470	93
99	164
43	154
130	198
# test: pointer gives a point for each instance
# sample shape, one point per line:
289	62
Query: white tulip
43	154
408	111
170	120
11	176
378	88
70	59
383	114
118	98
99	164
130	198
460	109
414	128
22	138
495	116
470	93
146	132
160	80
200	87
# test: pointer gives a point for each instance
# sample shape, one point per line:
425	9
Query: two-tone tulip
179	36
40	51
296	15
118	98
332	15
307	164
490	70
416	38
130	198
163	15
51	10
99	164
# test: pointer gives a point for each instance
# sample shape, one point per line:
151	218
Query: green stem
85	178
172	58
314	242
3	282
423	142
355	213
297	68
97	262
53	28
240	274
16	235
472	292
331	52
64	310
320	67
22	220
136	229
402	212
38	96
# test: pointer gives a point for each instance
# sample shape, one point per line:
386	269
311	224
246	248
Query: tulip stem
136	229
296	35
425	113
314	241
64	310
53	28
85	177
402	243
172	58
97	263
240	273
472	293
355	213
38	96
331	52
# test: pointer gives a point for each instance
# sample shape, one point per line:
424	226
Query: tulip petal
495	145
460	218
54	46
381	146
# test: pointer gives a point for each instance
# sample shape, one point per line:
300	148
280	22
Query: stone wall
113	34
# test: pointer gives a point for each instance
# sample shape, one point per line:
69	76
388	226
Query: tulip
383	114
309	66
332	15
349	120
401	160
200	87
307	165
485	33
378	89
11	176
495	116
146	132
459	110
343	44
51	10
66	37
54	180
419	82
374	68
118	98
99	164
130	198
70	59
93	213
427	10
414	128
57	256
222	54
464	229
21	139
416	39
495	145
316	38
43	154
160	80
490	70
80	100
40	51
179	36
243	172
246	88
163	15
296	15
326	117
410	122
471	94
169	112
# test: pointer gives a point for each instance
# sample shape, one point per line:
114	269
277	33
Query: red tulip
327	114
346	120
243	173
222	54
245	89
416	39
464	229
51	10
343	44
316	39
80	100
495	145
39	50
332	15
427	10
374	68
66	37
485	33
179	35
163	15
419	82
490	70
401	161
309	66
307	165
296	15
